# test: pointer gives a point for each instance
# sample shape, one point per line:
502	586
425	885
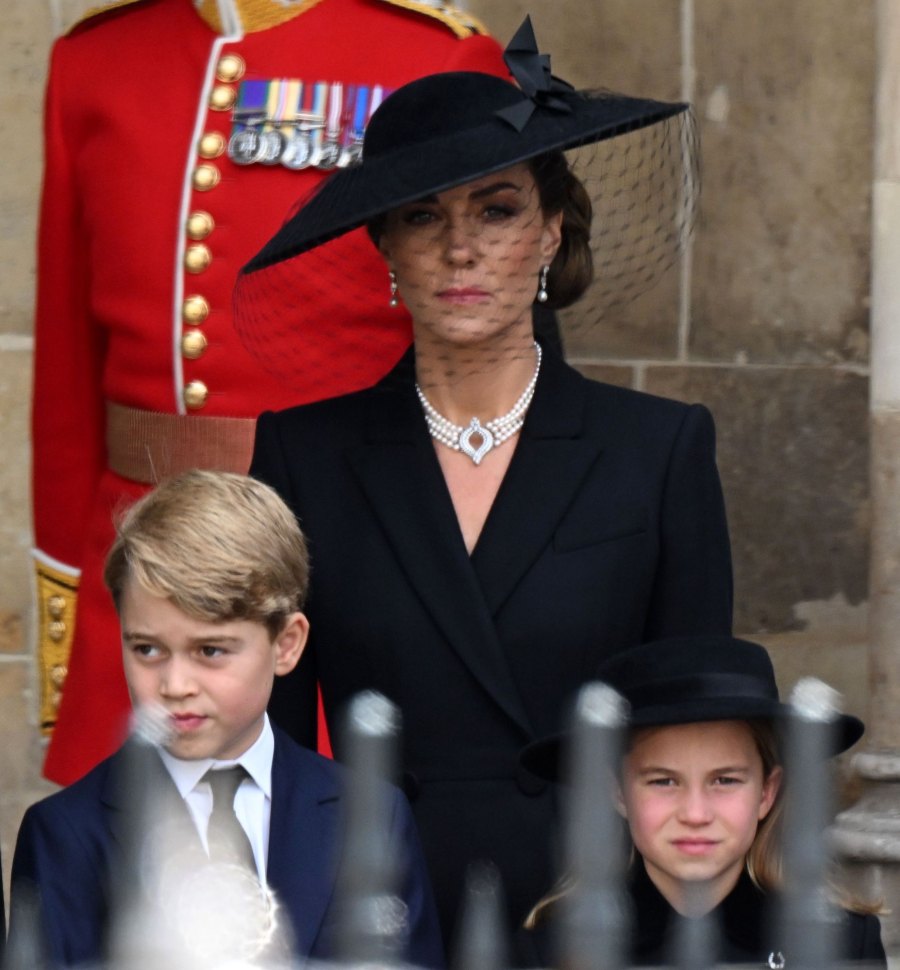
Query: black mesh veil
642	186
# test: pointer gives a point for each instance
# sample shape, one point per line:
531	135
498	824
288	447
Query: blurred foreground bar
374	919
809	922
596	921
482	943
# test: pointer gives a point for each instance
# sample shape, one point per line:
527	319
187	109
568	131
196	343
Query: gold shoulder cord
57	596
263	14
461	23
255	15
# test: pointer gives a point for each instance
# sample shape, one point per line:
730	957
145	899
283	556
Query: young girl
701	790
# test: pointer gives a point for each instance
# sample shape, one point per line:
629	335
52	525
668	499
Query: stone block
645	328
608	373
11	633
15	526
16	753
26	40
21	755
781	264
631	46
793	456
885	576
837	654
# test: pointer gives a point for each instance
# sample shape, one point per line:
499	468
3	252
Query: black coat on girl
744	923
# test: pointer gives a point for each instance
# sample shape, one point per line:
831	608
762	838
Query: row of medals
304	147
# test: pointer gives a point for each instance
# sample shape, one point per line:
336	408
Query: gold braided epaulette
461	23
57	594
254	15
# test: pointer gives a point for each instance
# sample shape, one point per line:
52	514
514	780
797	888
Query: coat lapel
303	834
140	796
400	475
552	458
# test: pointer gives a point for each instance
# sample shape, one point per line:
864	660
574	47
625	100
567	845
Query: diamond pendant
465	441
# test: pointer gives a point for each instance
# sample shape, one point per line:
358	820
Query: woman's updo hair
561	190
375	227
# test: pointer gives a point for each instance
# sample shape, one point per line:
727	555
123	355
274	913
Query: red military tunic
145	222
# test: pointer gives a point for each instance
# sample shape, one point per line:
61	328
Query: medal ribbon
332	113
250	107
335	111
320	97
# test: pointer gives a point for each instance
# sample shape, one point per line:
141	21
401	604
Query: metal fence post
595	914
809	922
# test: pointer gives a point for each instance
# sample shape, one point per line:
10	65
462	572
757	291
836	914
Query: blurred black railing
595	919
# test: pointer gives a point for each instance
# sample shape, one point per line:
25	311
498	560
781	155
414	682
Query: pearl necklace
492	433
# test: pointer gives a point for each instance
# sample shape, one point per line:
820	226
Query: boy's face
212	679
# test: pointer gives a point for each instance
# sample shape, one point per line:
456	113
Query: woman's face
693	796
467	260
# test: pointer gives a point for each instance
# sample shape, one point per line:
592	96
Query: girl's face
693	796
467	260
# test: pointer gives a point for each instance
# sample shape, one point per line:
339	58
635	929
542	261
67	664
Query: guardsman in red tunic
178	134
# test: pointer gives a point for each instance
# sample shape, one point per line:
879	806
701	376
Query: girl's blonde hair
764	860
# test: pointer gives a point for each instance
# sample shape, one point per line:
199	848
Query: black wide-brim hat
685	680
447	129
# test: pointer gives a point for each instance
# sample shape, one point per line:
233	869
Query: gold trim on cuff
57	594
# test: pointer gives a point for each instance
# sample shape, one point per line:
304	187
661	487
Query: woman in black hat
486	524
700	790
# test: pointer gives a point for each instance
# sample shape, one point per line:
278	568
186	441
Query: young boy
208	574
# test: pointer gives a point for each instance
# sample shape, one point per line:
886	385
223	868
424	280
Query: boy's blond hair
219	546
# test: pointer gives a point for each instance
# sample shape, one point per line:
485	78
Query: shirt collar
256	761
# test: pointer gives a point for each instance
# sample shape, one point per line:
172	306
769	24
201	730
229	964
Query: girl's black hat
684	680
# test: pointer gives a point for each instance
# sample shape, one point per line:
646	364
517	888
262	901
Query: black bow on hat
531	69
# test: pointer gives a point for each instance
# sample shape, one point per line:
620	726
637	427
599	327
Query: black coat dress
744	924
608	530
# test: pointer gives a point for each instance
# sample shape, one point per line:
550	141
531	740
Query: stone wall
766	320
27	31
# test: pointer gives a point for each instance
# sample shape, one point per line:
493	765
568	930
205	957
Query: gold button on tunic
195	395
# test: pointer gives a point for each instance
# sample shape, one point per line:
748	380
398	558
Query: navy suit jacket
72	847
608	530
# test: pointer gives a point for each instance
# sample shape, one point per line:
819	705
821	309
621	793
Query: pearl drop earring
542	295
393	278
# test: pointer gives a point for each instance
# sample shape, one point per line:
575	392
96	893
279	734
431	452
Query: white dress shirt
253	801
